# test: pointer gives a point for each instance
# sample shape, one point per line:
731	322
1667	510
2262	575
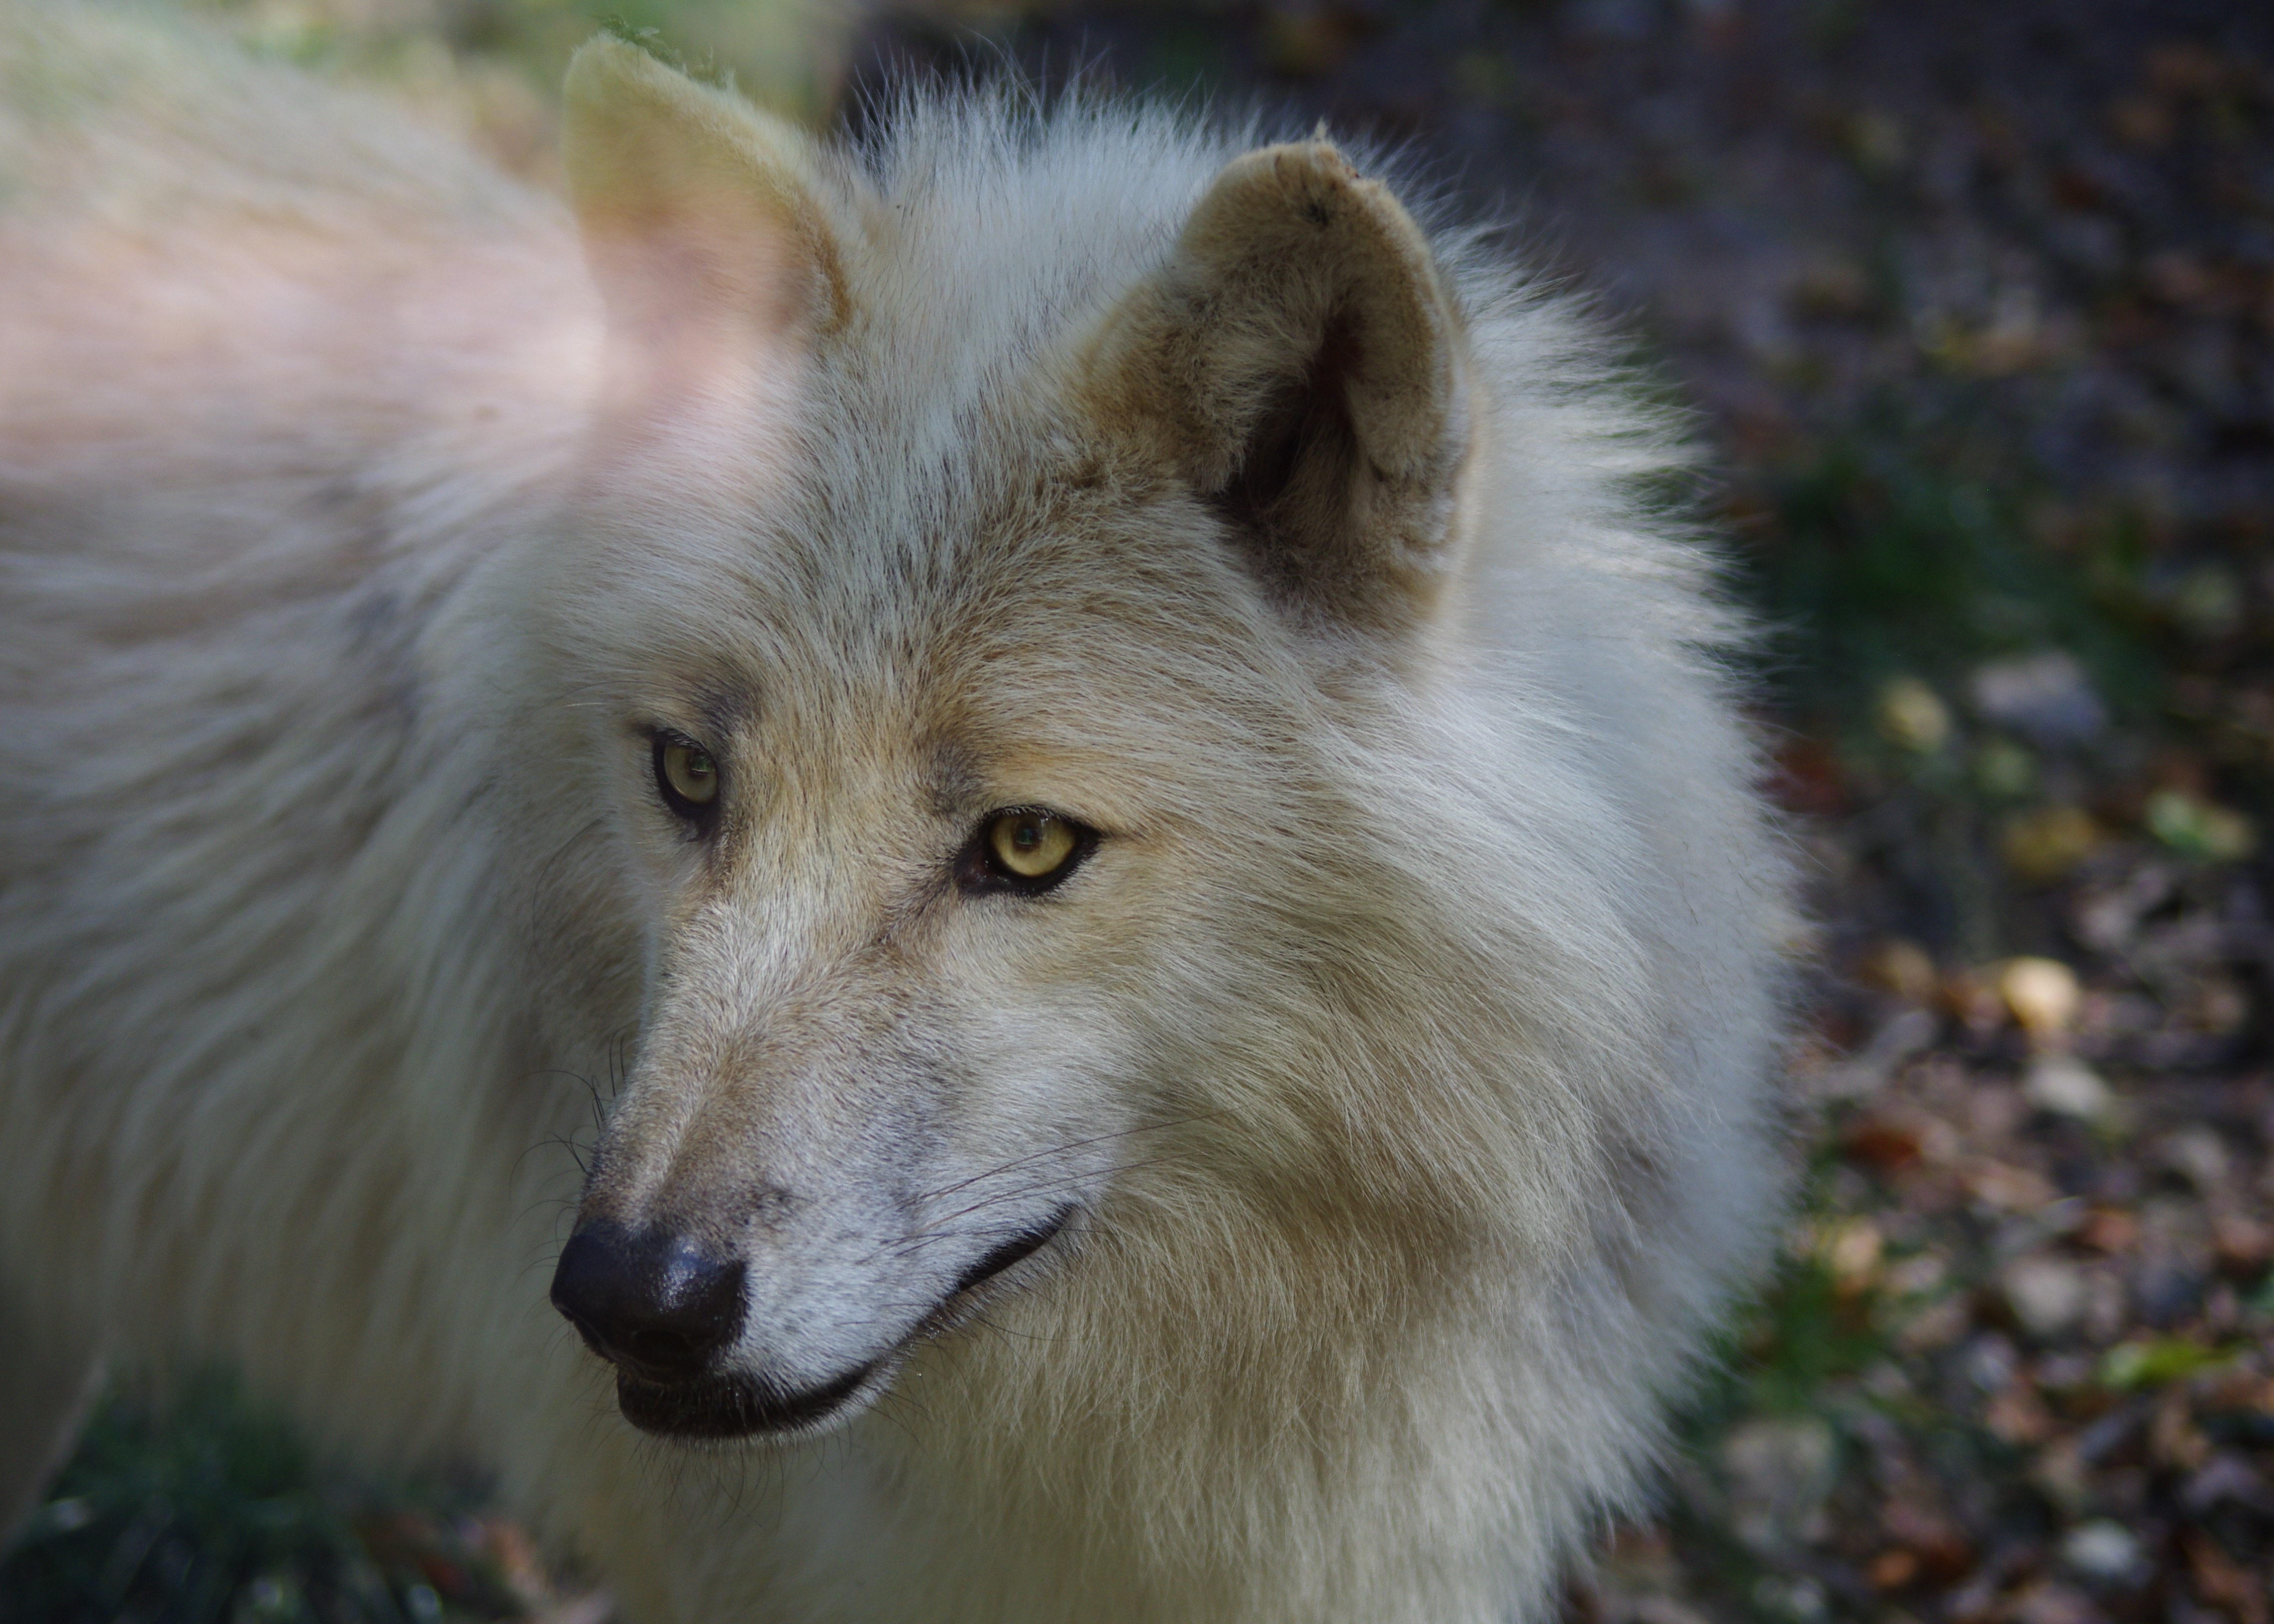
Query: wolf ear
1300	366
704	219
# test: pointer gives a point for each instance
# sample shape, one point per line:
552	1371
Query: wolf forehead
944	421
993	596
923	561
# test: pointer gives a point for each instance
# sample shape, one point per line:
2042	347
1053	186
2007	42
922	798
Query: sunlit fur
1404	1043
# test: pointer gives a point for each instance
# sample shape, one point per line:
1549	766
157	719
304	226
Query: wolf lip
733	1406
1018	1249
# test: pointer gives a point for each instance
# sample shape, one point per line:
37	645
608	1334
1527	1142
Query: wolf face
963	745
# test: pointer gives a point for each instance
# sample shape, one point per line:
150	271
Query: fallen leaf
2043	994
2174	1441
2043	845
2045	696
1881	1143
2047	1294
2244	1243
2047	1602
1973	998
2222	1581
1891	1570
2155	1362
2018	1415
1943	1552
2199	829
2101	1550
1938	1325
1851	1251
2007	1188
2063	1085
2110	1229
1912	715
1899	966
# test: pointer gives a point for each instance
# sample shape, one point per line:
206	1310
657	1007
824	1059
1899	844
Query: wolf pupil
1032	846
687	775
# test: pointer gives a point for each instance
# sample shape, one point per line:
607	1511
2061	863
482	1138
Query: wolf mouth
724	1406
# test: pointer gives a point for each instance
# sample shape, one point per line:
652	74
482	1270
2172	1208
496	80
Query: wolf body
463	657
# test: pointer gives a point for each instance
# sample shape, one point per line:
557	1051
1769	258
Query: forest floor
1977	304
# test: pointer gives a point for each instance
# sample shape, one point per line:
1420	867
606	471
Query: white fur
1428	1000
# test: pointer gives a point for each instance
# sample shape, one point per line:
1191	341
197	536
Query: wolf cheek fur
1099	720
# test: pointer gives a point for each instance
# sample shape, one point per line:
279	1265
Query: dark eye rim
699	816
978	873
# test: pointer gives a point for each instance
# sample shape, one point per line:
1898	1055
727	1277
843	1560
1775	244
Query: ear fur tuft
703	218
1299	364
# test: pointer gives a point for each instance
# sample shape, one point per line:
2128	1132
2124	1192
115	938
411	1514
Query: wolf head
978	736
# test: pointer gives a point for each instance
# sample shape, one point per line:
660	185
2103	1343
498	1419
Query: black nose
649	1301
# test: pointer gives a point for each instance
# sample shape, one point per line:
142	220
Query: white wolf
1085	729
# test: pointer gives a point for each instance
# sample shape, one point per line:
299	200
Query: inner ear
1298	364
1292	475
708	224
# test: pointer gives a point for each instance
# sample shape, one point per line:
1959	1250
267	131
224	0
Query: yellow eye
689	776
1032	846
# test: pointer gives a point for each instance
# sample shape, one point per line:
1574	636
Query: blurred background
1975	303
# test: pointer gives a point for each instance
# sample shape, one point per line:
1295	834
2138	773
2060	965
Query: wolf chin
1032	805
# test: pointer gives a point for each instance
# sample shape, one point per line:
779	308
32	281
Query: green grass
197	1506
1914	541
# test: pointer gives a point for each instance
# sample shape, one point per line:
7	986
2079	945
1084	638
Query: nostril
651	1301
